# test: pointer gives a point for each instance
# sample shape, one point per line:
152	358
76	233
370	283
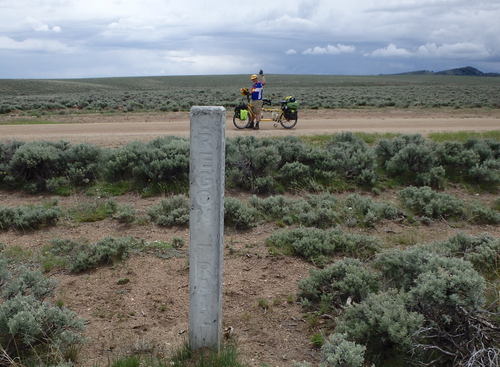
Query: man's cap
253	76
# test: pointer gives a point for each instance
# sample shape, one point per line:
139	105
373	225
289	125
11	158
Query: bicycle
286	115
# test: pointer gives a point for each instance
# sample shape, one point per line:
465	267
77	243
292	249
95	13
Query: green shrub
427	202
474	160
35	330
382	323
430	305
33	163
431	204
319	246
93	211
456	158
417	161
271	165
83	256
364	211
275	208
125	214
480	214
178	242
482	251
294	173
486	172
34	166
317	340
163	161
316	210
83	164
251	164
106	251
28	283
28	217
238	214
400	268
32	330
411	158
58	185
325	210
352	158
5	108
337	351
450	295
334	285
445	285
420	272
173	211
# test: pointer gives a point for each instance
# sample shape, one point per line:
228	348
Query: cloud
43	45
192	62
390	51
427	33
287	22
39	26
329	50
457	50
413	5
462	50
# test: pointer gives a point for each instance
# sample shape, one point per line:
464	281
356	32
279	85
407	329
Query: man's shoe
256	127
250	125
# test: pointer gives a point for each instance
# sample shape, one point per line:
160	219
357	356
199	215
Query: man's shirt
256	91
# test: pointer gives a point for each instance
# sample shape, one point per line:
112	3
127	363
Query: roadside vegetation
261	166
329	200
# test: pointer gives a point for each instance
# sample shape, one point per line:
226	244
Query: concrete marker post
206	226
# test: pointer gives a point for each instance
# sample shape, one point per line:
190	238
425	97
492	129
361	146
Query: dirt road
120	129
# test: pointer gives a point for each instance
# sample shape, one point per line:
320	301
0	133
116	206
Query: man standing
256	93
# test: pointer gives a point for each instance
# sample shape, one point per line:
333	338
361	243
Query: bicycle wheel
240	124
290	122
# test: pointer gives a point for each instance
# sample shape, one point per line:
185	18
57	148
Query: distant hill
464	71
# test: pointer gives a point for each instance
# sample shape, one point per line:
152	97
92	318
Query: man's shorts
256	107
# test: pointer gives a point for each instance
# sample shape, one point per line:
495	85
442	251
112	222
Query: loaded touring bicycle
286	115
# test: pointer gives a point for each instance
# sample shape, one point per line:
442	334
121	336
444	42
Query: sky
106	38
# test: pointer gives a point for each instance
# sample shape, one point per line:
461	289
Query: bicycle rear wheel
290	122
240	124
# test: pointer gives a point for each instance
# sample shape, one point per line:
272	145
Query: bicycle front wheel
289	123
240	124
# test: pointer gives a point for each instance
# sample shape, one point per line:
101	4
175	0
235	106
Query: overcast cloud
94	38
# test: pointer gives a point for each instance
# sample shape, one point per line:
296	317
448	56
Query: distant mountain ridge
464	71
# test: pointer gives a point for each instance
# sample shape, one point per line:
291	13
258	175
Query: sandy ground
117	129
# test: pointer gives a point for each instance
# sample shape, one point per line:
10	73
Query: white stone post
206	226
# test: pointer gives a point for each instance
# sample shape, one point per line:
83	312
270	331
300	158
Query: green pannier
243	114
293	105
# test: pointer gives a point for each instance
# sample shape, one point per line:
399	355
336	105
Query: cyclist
256	92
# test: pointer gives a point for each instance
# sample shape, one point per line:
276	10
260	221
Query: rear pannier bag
241	111
243	114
